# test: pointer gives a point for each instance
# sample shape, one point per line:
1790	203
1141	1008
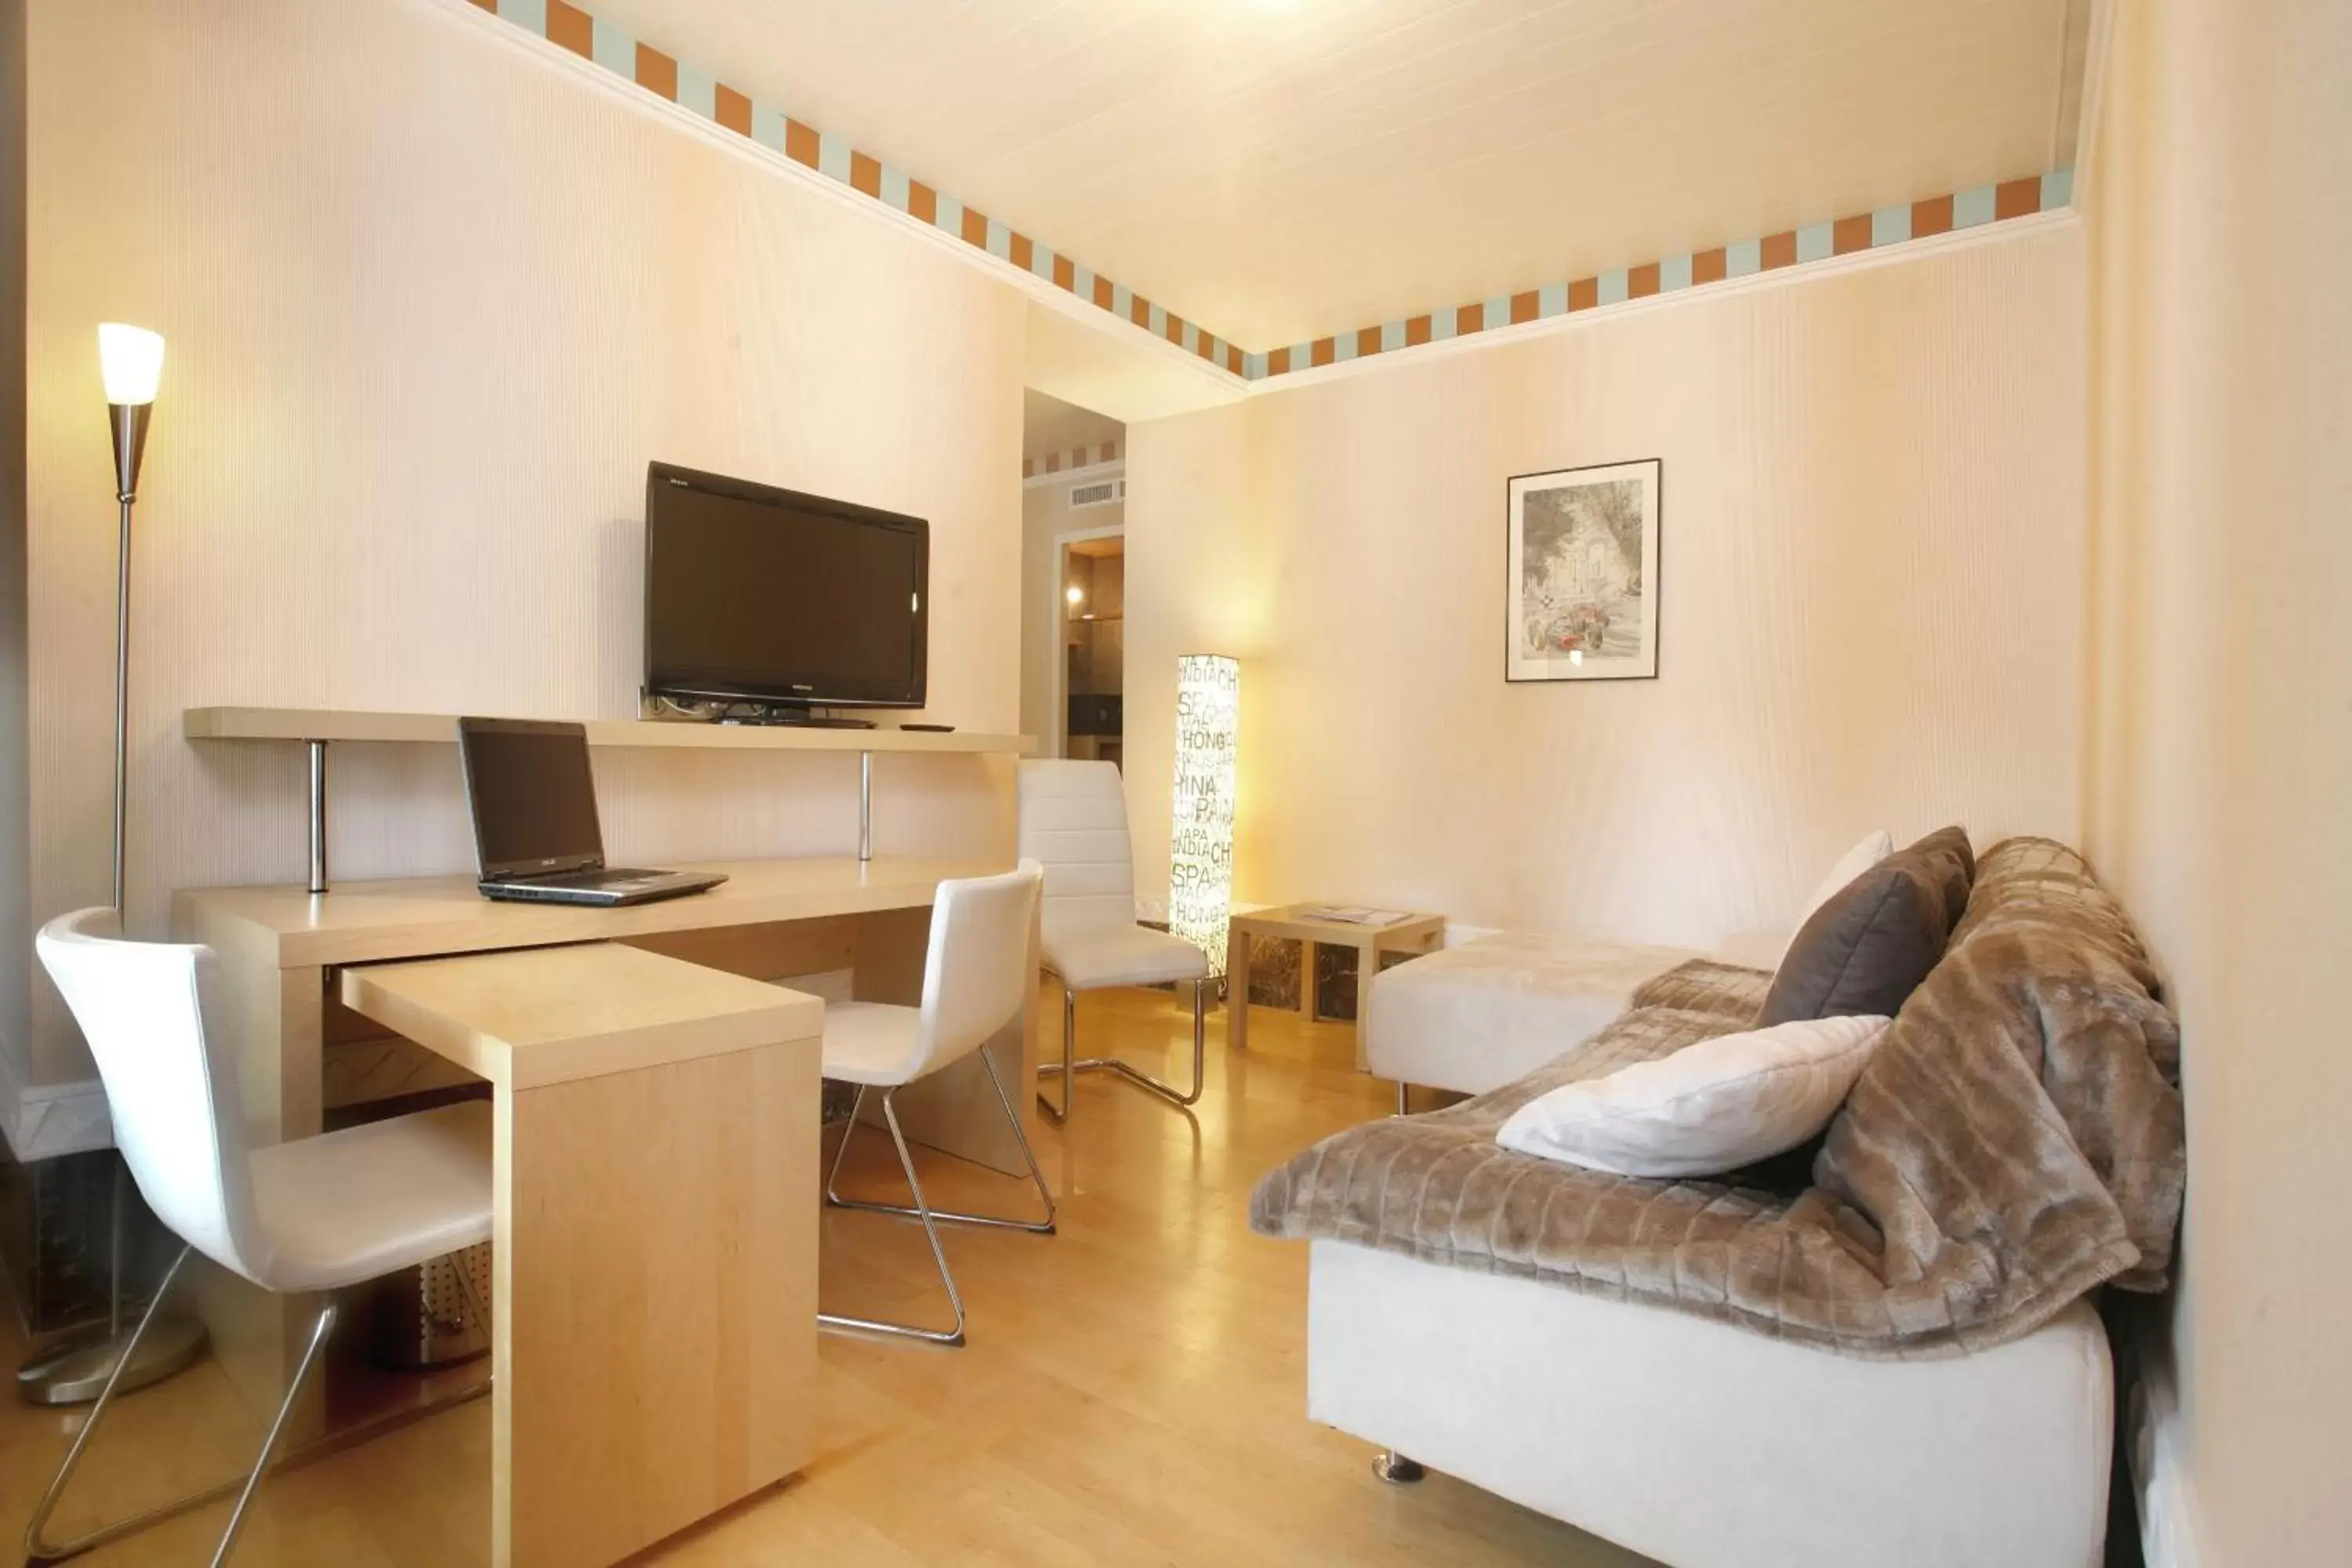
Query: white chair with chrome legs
314	1215
975	981
1073	822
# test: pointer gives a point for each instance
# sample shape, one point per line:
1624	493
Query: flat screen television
755	594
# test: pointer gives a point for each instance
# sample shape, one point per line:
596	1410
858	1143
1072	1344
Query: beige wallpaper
432	300
2220	796
1873	578
15	935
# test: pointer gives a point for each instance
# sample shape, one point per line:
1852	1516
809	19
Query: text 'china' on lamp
1201	835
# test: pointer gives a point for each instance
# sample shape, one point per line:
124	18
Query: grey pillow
1870	945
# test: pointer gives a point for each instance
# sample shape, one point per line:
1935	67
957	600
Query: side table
1415	932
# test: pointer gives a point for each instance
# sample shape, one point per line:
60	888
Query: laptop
536	837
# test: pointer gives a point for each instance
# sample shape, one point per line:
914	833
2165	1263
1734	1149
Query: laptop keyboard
613	877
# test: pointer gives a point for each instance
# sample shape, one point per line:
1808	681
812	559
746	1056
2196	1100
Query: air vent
1102	492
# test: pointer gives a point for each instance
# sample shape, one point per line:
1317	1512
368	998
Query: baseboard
41	1120
2168	1530
52	1119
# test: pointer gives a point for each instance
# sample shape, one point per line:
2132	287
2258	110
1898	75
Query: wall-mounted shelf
347	724
315	728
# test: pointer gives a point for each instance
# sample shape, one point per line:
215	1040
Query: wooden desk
1415	933
832	926
653	1257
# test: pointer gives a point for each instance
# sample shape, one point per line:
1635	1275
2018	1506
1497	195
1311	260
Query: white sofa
1705	1445
1693	1442
1683	1437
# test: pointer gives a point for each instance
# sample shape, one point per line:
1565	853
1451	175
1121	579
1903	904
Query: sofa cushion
1706	1110
1871	944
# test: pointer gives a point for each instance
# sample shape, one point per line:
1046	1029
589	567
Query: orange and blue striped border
1076	457
601	43
1053	462
1695	269
571	28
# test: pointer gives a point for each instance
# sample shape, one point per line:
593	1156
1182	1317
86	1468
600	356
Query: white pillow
1708	1107
1874	847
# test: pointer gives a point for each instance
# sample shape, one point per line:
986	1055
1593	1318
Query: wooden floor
1133	1392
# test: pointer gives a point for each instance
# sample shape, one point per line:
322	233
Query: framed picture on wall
1581	603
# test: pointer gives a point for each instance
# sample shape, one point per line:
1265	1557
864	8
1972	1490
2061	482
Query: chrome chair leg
1036	1172
1404	1098
1058	1114
38	1549
841	1149
1144	1080
1001	1222
923	1211
269	1445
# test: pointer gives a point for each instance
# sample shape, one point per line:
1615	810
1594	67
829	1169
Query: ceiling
1278	170
1050	425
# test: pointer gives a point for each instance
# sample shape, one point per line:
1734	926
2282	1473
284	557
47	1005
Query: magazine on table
1353	914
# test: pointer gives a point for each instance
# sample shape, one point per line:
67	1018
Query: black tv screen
765	594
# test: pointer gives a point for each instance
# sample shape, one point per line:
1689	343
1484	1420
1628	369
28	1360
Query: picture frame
1581	564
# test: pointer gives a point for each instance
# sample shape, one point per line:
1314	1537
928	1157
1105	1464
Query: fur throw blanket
2015	1141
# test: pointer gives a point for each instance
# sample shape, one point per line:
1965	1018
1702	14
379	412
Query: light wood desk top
552	1014
370	923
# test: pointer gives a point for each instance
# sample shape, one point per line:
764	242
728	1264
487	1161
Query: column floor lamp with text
73	1370
1201	828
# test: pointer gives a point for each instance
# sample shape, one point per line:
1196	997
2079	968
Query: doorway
1073	580
1094	647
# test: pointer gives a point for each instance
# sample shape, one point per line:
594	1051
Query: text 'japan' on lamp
1200	834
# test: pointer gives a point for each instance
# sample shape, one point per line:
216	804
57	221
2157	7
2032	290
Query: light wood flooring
1133	1392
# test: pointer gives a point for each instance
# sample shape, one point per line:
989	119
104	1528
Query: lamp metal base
73	1370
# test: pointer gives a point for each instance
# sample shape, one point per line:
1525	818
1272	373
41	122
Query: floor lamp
1200	835
72	1372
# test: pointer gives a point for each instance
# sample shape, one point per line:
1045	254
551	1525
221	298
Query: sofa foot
1395	1468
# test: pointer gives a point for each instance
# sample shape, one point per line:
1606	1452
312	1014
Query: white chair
314	1215
976	979
1073	822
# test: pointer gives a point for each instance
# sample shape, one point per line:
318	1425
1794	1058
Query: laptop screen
533	796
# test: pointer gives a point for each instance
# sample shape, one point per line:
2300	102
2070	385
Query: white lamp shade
1201	840
131	360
